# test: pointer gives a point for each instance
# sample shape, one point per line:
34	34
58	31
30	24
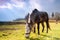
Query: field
17	32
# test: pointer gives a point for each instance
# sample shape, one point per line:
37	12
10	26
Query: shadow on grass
34	39
44	37
39	38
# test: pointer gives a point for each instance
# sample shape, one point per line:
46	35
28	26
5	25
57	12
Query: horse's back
43	16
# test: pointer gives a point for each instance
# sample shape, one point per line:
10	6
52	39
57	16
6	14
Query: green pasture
17	32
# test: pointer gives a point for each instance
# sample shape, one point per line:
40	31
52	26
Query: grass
19	34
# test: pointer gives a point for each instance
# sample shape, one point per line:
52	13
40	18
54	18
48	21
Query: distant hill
19	20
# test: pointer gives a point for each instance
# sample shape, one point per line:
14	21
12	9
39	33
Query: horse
36	17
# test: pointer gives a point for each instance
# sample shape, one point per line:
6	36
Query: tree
52	15
57	16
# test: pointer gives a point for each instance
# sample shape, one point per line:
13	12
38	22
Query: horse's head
28	26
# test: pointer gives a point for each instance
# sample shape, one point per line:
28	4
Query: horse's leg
42	26
34	29
38	28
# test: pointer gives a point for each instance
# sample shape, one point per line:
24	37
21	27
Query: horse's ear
29	18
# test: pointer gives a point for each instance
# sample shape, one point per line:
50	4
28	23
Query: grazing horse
36	17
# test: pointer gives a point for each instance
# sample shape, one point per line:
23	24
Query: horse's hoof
34	32
46	32
39	34
42	31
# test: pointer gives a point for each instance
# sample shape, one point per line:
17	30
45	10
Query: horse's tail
48	21
48	24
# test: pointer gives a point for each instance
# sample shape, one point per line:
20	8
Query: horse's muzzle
27	35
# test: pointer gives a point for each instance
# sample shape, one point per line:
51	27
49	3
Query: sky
13	9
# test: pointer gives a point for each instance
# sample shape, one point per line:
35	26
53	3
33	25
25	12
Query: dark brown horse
36	17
